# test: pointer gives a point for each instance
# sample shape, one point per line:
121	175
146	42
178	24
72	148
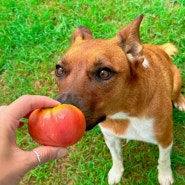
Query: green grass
33	36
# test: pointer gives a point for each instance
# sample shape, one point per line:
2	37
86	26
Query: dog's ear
81	33
129	41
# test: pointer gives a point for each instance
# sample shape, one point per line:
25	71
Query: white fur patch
145	63
165	175
138	129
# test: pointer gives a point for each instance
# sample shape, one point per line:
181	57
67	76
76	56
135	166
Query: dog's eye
59	71
104	74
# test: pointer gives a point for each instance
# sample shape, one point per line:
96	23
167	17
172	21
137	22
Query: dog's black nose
73	99
65	98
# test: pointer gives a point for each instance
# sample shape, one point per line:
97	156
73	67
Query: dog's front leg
165	176
116	172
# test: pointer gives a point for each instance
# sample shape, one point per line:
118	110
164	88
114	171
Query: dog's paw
115	175
180	103
165	177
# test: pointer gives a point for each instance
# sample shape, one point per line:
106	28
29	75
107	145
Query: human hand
14	162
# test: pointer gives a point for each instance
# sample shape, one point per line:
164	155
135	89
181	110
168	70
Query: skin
15	162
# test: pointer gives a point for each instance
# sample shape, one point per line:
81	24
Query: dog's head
94	73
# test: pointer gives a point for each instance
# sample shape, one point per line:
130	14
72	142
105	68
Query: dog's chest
136	129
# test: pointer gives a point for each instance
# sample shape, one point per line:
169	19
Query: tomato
63	125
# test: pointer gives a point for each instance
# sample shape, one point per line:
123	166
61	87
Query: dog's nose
73	99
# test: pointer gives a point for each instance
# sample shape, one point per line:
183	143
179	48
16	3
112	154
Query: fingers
26	103
44	154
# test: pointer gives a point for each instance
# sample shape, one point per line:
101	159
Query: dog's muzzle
88	110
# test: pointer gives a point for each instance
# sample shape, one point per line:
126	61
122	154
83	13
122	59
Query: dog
127	88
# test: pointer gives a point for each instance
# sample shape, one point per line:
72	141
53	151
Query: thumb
43	154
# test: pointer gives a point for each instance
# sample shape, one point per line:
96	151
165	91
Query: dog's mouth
92	119
90	125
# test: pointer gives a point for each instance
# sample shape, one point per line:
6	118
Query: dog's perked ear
129	41
81	33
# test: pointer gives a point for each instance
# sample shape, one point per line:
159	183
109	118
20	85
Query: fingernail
62	152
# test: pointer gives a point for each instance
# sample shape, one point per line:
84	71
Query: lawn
33	36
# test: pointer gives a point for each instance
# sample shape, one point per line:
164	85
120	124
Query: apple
62	126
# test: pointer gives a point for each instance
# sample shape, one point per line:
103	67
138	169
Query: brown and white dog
127	88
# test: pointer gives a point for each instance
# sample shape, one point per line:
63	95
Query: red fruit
63	125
